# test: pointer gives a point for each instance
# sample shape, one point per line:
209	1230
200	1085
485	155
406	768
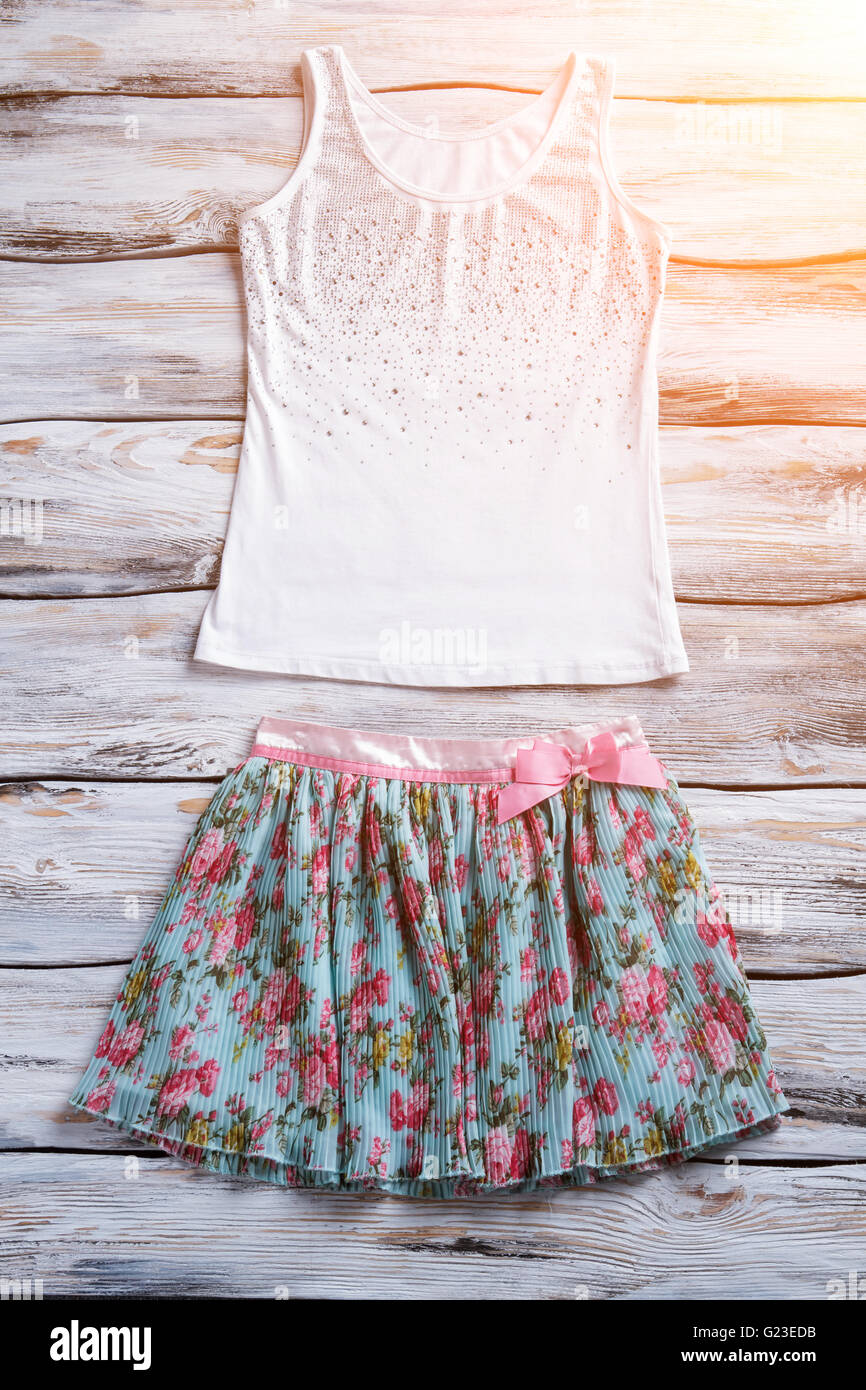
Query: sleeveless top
449	470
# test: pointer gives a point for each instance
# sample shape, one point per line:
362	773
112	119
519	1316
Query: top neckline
567	76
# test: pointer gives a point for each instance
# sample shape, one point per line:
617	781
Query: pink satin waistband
535	766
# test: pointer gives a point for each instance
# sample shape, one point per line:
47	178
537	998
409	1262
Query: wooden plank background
134	135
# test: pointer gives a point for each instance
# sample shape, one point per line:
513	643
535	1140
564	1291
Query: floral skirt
438	967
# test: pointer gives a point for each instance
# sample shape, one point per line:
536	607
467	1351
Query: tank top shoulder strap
581	123
584	146
326	102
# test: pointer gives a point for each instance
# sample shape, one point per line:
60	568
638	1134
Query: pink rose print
436	861
411	900
125	1045
362	1006
720	1045
398	1114
709	929
181	1038
635	992
734	1019
461	871
418	1105
261	1126
560	985
583	1123
583	848
207	853
730	940
657	999
594	897
485	989
686	1072
281	1000
245	920
321	869
104	1043
633	850
222	944
193	940
377	1157
526	856
605	1096
703	973
175	1093
279	844
315	1077
381	985
332	1065
207	1076
520	1155
537	1011
188	914
497	1156
101	1097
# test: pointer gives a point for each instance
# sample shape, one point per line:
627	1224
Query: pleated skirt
359	979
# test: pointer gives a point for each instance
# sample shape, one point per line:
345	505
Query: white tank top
449	470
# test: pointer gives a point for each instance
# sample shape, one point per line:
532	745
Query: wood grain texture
243	46
107	1226
141	129
752	512
123	175
54	1019
103	508
111	690
148	339
85	866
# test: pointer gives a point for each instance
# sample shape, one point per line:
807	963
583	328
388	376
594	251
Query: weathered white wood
105	687
765	511
775	695
102	1226
114	508
108	176
129	335
677	48
117	508
144	339
85	867
51	1021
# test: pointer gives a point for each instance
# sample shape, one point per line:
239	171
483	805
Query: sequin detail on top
449	473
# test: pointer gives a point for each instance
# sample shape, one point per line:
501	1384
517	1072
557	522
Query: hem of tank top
607	164
380	673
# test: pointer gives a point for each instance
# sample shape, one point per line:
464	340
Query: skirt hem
262	1168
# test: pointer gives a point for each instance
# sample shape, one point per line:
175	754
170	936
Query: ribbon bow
545	768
